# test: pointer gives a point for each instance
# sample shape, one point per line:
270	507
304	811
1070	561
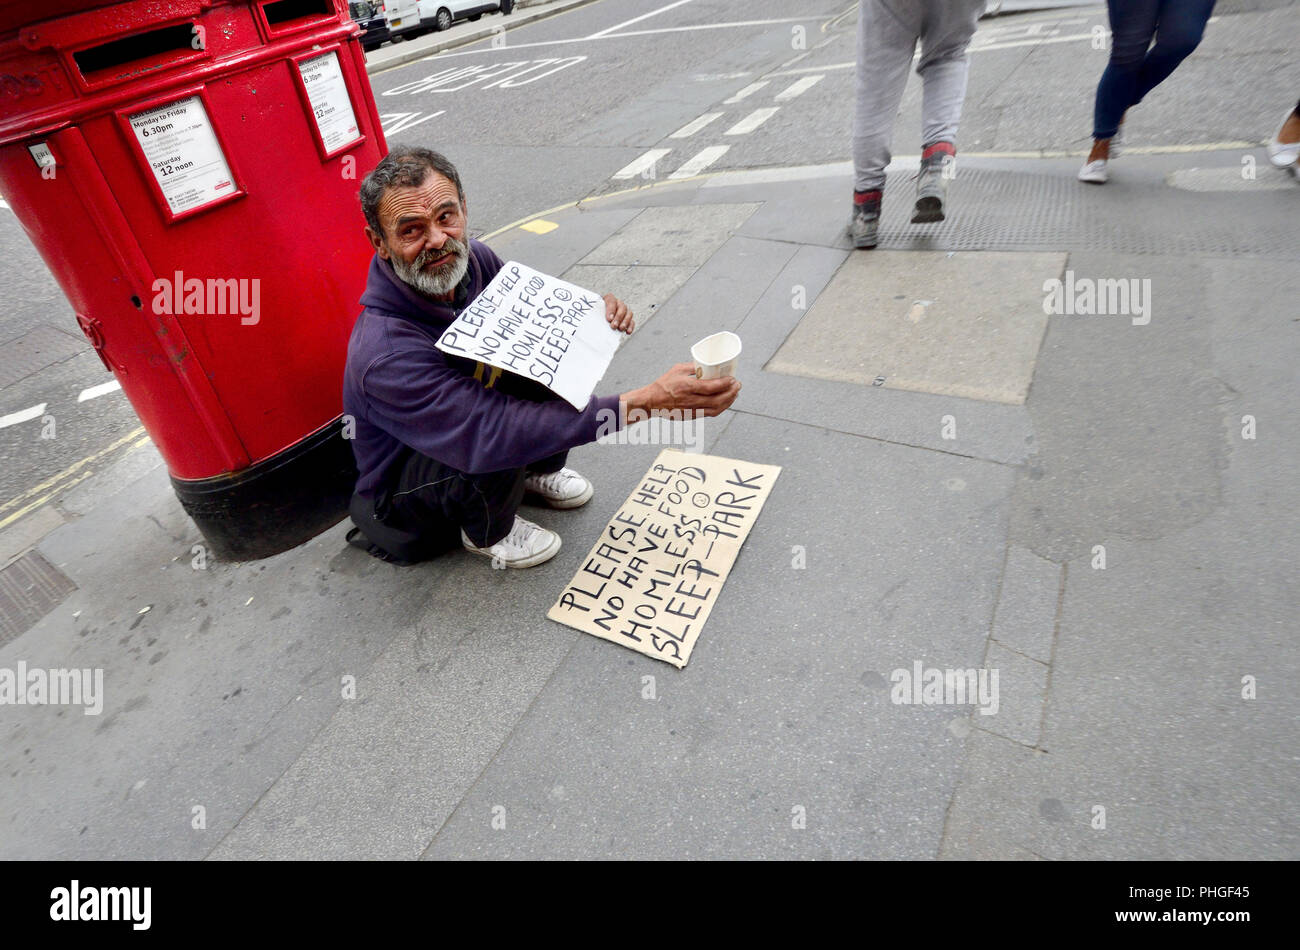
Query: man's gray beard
447	277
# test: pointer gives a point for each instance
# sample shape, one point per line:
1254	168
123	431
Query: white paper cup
715	356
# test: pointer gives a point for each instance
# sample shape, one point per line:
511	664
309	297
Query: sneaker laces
521	533
552	481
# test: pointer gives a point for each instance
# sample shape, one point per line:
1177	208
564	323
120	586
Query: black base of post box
278	503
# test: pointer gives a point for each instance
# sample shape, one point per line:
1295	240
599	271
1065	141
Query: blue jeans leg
1135	67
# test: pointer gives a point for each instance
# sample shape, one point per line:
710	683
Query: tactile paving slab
1006	210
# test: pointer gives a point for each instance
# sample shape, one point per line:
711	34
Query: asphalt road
617	93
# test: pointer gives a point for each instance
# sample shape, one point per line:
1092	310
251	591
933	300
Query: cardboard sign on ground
658	567
538	327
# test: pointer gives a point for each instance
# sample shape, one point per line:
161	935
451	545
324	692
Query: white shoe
562	489
1094	172
1117	142
527	545
1283	154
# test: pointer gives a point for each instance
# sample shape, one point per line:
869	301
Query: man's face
424	235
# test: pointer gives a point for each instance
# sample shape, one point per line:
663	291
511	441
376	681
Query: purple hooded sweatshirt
404	391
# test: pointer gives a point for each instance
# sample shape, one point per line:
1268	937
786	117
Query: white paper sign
538	327
183	153
330	103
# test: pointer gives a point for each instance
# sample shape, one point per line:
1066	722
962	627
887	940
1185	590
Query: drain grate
996	210
30	588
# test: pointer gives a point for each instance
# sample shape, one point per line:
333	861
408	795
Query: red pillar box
189	172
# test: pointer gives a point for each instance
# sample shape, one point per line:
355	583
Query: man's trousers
888	31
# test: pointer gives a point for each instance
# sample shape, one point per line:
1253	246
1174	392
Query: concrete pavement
1114	538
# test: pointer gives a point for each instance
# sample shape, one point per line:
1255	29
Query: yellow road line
67	472
10	519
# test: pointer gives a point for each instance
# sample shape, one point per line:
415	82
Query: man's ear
377	242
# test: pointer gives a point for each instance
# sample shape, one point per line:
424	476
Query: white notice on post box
183	153
330	103
538	327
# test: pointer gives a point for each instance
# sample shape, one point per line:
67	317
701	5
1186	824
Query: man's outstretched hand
619	317
680	389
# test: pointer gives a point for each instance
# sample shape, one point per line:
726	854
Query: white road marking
693	126
749	90
700	161
644	16
973	48
642	164
394	122
707	26
103	389
803	70
752	121
798	88
1073	37
611	36
35	412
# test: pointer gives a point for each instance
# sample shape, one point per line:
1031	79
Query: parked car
408	18
373	24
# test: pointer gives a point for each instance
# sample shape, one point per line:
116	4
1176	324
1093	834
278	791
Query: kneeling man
447	447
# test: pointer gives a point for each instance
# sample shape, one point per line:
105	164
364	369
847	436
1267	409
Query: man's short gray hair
405	166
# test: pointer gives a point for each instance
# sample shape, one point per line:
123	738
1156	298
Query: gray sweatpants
888	31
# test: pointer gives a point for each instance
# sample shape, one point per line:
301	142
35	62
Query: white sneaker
1094	172
1117	142
562	489
527	545
1283	154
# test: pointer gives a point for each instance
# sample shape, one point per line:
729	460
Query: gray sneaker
864	226
932	188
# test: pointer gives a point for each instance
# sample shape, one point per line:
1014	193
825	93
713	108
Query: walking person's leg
1180	25
944	68
1132	25
887	35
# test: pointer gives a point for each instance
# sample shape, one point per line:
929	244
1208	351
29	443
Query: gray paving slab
952	323
1129	439
645	288
682	236
26	531
983	430
1022	690
1026	616
781	712
786	301
1001	800
718	296
557	251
